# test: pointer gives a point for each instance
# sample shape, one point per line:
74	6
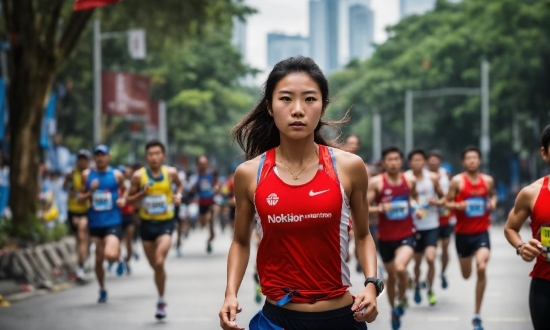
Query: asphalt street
195	292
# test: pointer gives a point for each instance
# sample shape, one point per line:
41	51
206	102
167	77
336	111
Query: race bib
399	210
476	207
102	200
155	204
205	186
545	236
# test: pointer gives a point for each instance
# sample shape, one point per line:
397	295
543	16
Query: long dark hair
257	133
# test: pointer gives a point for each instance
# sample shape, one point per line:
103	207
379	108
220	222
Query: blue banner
2	108
48	121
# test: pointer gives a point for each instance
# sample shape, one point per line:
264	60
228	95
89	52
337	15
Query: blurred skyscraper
361	31
411	7
282	46
239	36
318	32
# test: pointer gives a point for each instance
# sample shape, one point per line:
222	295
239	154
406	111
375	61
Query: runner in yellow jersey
152	187
77	217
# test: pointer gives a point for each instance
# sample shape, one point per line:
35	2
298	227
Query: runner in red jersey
391	193
472	195
300	193
534	201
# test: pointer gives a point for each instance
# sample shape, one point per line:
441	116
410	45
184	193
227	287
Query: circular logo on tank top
272	199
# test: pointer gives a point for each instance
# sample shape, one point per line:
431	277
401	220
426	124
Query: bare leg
129	238
417	262
99	256
81	224
403	256
466	267
482	257
430	253
391	282
156	254
444	254
112	248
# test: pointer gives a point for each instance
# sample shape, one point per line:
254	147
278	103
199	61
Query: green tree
42	35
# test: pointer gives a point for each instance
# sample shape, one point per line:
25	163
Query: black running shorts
425	238
152	229
467	245
387	249
106	231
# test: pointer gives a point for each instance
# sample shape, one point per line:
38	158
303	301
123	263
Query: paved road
196	285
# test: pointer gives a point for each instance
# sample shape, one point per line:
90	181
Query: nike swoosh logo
311	193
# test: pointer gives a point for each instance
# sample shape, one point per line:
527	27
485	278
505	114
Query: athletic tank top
475	218
75	206
103	211
426	191
444	213
396	224
158	203
205	189
304	233
540	226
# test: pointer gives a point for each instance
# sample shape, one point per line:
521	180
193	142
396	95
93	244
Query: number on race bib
545	236
155	204
102	200
399	210
475	207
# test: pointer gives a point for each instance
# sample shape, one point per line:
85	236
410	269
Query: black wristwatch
378	284
518	249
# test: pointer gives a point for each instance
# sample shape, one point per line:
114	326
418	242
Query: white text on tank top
426	191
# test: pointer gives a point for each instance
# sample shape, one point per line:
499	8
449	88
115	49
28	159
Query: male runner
102	187
472	195
429	197
206	187
78	210
446	217
533	202
152	186
128	225
392	192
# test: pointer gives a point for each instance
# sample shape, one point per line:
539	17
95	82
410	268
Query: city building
318	33
238	39
412	7
361	32
282	46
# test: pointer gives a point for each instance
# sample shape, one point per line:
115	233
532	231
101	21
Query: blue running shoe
102	296
395	319
110	268
120	268
136	256
417	296
401	307
476	322
444	283
424	285
209	248
161	311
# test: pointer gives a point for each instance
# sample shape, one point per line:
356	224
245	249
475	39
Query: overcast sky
291	16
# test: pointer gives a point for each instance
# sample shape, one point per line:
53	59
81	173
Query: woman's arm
239	252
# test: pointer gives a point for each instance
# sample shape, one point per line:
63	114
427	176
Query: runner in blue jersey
206	188
104	186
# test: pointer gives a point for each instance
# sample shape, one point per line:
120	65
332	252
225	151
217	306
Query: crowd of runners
297	191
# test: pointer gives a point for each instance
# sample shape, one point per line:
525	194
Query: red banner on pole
91	4
125	93
153	118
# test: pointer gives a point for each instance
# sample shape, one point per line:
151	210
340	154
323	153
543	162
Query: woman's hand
228	313
364	307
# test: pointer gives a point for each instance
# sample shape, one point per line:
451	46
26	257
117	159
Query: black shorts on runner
232	213
70	216
152	229
127	219
177	213
204	209
387	249
425	238
539	303
446	231
467	245
106	231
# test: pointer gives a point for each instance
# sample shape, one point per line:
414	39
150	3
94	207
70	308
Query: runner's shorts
425	238
70	216
445	231
152	229
388	248
127	219
467	245
102	232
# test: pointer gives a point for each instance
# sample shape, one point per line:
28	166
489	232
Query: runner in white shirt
430	197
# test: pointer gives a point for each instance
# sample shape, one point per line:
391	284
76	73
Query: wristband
518	249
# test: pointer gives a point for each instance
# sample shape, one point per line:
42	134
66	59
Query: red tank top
475	218
540	217
304	233
396	224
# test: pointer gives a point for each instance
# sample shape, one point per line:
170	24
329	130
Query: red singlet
540	217
475	218
304	231
396	224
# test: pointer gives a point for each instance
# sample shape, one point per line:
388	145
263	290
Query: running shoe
358	268
102	296
209	248
110	268
402	306
431	298
476	322
258	296
395	319
120	268
178	252
424	284
161	312
417	296
80	274
444	283
136	256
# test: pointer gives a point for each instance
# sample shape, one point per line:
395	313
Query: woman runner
300	193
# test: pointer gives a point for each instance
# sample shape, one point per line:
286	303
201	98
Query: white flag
136	44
